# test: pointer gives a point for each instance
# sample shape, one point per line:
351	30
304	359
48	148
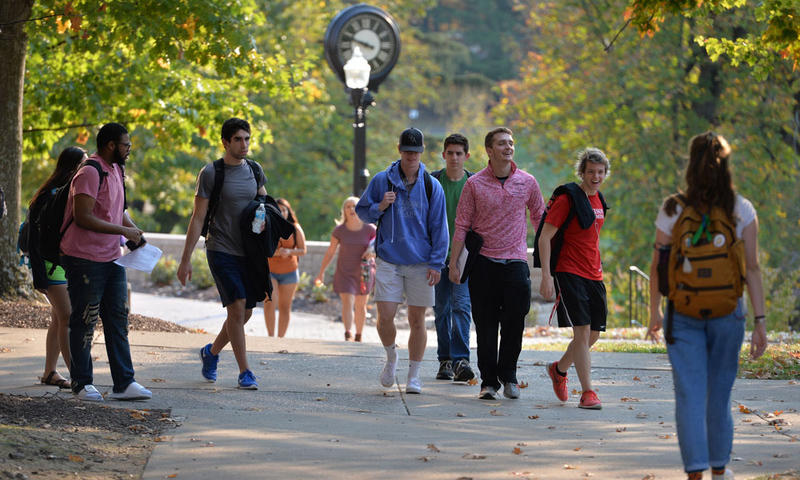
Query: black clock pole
361	99
374	33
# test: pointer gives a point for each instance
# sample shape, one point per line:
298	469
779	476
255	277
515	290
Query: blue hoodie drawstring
391	189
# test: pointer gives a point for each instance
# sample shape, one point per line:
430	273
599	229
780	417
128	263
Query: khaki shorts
393	281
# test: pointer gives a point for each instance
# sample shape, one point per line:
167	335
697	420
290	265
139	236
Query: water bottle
258	221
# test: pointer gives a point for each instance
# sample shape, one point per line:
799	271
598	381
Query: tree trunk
13	46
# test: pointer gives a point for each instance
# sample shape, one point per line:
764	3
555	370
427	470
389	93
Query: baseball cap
412	140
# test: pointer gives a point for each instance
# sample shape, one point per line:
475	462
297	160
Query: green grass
780	362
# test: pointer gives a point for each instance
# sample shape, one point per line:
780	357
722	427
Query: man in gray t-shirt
224	246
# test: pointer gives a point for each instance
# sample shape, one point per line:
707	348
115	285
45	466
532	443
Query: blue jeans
98	290
705	359
453	319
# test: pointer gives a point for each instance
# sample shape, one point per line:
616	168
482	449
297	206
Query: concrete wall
172	245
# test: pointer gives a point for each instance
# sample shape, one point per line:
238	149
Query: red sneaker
590	401
559	382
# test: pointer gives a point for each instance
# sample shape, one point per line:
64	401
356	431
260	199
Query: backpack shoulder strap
437	174
257	172
103	174
216	190
428	185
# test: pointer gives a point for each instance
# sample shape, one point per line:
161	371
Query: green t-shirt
452	193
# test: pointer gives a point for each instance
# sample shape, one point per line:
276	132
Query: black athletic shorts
582	302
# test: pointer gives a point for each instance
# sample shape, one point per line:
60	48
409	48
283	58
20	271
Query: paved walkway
320	413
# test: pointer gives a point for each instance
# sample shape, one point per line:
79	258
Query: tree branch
52	129
608	47
37	19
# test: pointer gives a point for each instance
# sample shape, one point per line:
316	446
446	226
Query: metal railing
638	297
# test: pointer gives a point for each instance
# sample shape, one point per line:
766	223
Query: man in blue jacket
409	208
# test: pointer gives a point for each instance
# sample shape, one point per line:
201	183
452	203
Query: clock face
374	36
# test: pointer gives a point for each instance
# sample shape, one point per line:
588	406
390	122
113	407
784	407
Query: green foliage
781	289
773	37
201	273
165	272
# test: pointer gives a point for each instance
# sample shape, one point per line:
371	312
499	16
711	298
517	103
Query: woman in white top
705	353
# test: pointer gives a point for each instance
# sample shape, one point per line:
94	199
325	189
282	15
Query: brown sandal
60	382
358	337
348	336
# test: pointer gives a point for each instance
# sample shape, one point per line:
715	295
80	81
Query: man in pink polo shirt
493	204
95	220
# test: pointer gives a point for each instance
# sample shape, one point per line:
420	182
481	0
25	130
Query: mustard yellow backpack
706	264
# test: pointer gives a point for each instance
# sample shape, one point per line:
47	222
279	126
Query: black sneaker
463	372
445	370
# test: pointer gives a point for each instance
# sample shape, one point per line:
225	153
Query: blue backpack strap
216	190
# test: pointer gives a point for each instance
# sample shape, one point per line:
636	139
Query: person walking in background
243	181
704	352
53	285
493	204
352	237
95	218
452	308
284	274
574	217
409	208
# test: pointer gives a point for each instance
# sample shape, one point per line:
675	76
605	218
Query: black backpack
216	191
558	239
48	219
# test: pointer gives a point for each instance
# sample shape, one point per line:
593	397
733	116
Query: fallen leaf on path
75	458
172	476
472	381
665	437
516	451
498	413
157	380
755	463
533	417
744	409
622	429
283	351
432	447
637	379
322	399
425	459
629	399
569	467
523	384
473	456
577	449
459	414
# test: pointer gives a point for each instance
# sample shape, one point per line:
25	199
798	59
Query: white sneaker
414	386
90	394
387	374
133	392
728	475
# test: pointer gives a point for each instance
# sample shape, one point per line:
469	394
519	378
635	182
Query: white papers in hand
462	260
143	258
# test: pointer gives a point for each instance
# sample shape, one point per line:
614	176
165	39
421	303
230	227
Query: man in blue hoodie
409	208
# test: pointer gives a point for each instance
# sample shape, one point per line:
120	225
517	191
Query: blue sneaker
209	364
247	381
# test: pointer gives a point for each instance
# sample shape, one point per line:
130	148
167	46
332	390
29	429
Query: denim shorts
286	278
232	278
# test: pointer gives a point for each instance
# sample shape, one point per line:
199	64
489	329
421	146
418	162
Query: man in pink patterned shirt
493	204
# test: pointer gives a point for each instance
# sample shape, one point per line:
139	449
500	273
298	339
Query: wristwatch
759	319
